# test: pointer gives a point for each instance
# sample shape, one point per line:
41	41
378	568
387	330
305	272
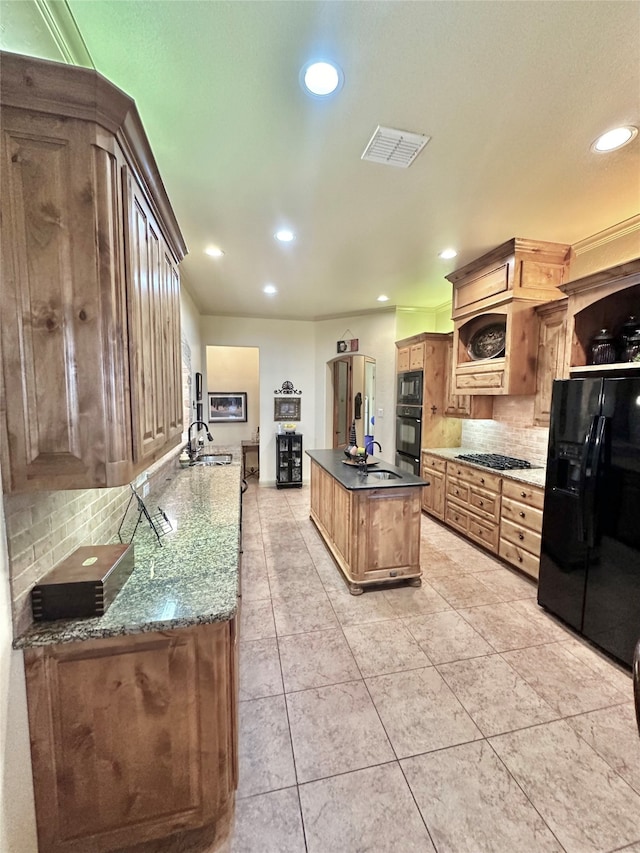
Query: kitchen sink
383	475
213	459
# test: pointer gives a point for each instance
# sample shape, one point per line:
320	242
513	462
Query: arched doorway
352	397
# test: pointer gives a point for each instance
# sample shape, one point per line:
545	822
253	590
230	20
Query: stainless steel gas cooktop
495	460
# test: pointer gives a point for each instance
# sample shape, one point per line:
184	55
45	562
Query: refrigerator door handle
592	482
585	481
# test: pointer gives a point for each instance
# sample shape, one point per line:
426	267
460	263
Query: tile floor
457	717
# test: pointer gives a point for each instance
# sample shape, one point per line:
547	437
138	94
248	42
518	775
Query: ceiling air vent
394	147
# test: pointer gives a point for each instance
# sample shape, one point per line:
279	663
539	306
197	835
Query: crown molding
60	22
614	232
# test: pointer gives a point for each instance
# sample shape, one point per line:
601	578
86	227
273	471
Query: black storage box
84	584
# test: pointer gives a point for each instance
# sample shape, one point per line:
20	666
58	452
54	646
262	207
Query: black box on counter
84	584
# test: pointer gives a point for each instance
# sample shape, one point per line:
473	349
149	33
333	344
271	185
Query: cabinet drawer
457	517
483	479
457	490
532	495
484	532
435	463
529	563
465	381
522	537
485	503
522	514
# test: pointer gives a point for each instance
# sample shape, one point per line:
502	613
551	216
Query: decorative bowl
488	342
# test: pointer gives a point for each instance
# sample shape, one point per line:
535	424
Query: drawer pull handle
521	514
521	536
523	494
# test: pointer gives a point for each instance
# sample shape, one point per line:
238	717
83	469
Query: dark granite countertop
333	462
530	476
191	579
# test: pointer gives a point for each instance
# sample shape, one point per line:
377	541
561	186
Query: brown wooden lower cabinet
433	471
473	504
521	525
502	515
133	738
373	534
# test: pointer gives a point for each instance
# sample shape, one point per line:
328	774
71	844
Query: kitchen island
369	518
133	715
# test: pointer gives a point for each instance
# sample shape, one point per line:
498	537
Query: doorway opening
352	398
232	400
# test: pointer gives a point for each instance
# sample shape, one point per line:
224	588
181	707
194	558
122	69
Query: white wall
286	353
234	369
413	321
190	331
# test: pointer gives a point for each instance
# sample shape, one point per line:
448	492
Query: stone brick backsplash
45	527
510	432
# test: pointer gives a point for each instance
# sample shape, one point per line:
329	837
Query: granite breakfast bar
133	715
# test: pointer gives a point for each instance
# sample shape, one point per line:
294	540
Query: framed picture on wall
198	387
286	408
227	407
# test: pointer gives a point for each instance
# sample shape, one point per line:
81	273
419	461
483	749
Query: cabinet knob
523	494
482	480
519	558
521	514
481	503
521	536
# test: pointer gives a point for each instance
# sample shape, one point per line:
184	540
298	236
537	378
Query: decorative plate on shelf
488	342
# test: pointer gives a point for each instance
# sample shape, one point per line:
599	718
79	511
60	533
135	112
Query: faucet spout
189	448
369	446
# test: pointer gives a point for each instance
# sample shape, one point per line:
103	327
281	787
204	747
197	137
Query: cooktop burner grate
495	460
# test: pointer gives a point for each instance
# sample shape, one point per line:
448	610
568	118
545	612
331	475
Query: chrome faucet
189	448
370	444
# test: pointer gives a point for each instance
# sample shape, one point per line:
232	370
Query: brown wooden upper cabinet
90	328
495	337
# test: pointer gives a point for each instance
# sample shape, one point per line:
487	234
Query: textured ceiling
511	93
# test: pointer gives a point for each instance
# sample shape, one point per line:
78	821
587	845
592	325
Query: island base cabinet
373	534
133	738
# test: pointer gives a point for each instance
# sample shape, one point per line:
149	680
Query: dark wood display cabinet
288	461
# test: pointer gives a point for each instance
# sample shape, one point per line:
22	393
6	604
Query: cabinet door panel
132	737
389	522
51	335
145	301
171	328
342	521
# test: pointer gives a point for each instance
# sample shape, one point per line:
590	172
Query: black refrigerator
590	556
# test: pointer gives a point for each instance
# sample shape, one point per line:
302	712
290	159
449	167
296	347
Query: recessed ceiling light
321	79
383	298
615	138
284	235
214	252
447	254
270	288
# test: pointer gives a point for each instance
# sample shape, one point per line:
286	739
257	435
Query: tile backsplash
510	432
45	527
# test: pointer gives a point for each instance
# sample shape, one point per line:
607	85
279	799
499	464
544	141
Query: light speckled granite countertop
192	579
531	476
